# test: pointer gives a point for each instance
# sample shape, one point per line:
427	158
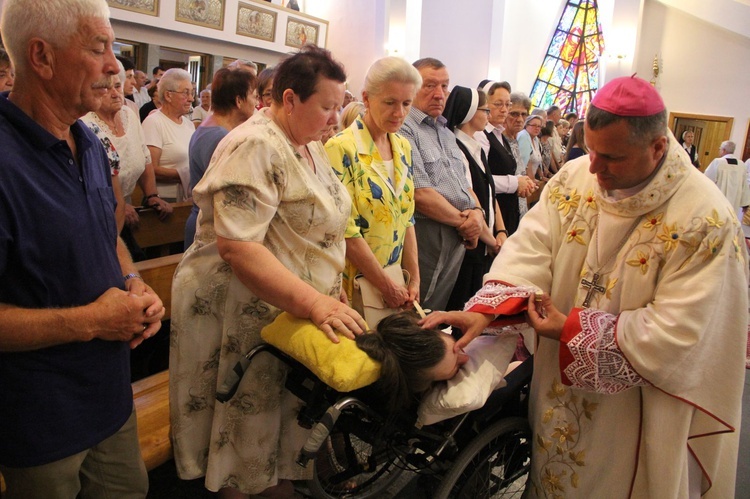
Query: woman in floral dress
270	238
374	163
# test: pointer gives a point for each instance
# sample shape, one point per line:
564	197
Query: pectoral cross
594	287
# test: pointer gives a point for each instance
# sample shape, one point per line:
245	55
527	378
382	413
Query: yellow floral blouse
381	210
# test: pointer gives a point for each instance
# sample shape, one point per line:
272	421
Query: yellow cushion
342	366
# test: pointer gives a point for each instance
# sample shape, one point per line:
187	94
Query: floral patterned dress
257	189
382	208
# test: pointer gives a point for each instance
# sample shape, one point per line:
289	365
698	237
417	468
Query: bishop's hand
546	320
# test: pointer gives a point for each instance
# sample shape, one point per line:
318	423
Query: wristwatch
146	198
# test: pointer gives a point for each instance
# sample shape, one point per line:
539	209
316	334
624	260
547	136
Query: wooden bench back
151	399
157	273
151	394
153	232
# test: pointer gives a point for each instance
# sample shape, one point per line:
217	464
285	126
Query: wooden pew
151	394
157	273
151	399
153	232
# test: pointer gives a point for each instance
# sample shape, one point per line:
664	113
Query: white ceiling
733	15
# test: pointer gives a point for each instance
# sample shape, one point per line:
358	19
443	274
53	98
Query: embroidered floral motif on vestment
557	446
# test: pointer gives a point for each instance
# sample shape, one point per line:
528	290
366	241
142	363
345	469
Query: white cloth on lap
469	389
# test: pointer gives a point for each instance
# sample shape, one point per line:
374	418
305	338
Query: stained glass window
569	76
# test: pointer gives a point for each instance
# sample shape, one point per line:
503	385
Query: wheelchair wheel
495	464
347	466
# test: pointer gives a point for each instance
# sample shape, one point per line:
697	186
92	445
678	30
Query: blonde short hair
390	69
350	113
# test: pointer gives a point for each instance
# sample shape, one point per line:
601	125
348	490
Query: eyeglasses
519	114
186	93
500	104
486	110
535	125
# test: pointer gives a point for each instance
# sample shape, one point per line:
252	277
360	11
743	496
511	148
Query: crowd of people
299	189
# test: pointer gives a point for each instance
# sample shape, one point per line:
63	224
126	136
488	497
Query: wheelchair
359	451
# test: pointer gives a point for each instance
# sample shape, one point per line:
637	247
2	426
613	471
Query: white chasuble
652	371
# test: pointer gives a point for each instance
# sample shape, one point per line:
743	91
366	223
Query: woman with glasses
265	88
528	144
168	132
514	123
118	127
467	113
509	187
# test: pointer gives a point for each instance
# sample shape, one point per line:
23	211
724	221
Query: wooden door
710	132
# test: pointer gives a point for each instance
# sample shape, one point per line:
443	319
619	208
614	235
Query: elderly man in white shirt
140	95
730	175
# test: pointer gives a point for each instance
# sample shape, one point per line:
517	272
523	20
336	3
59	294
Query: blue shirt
57	249
438	162
202	146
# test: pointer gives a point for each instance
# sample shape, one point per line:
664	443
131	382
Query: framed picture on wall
299	32
150	7
256	22
208	13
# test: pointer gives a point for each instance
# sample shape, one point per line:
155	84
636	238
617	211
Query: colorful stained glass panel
569	74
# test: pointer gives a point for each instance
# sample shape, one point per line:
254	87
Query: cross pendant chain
594	287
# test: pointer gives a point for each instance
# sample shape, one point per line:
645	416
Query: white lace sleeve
494	293
597	362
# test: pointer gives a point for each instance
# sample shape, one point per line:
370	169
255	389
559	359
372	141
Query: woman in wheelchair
442	417
411	357
400	397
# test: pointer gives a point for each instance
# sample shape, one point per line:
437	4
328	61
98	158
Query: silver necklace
593	285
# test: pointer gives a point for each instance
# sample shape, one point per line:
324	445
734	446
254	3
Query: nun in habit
466	113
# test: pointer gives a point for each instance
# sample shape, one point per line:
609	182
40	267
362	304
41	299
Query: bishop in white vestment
639	394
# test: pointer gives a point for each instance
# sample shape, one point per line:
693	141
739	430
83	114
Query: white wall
621	25
525	28
731	14
458	34
184	41
228	35
704	67
356	34
166	31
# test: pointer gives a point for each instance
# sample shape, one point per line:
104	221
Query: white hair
170	81
54	21
244	64
728	146
390	69
121	74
